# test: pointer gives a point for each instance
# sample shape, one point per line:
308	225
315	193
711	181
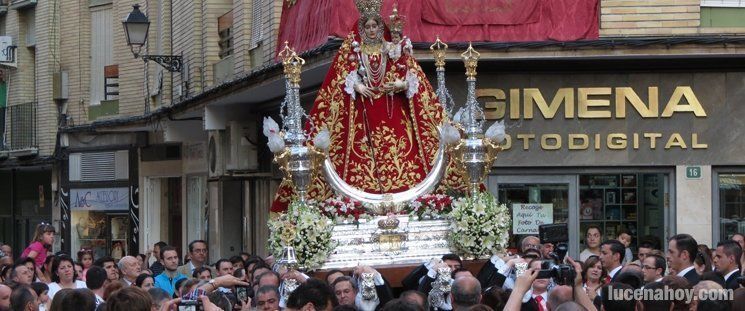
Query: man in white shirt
726	256
611	254
653	268
682	250
537	296
96	280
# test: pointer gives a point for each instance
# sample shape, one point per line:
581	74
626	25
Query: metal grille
98	166
23	126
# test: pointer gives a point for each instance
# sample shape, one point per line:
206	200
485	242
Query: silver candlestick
473	154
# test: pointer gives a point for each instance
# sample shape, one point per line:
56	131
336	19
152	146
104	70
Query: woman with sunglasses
43	239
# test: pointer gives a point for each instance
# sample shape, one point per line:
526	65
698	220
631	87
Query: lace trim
352	79
413	84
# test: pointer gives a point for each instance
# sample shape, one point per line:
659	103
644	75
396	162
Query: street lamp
136	26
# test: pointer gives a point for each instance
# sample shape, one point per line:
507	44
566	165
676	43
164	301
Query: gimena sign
617	119
590	103
595	103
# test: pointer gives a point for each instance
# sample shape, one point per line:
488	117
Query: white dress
54	287
585	254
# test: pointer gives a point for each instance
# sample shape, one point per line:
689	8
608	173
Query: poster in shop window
526	217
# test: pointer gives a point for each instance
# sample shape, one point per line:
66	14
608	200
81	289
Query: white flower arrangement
480	226
310	231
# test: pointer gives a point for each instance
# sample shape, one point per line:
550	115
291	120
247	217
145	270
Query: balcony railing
22	127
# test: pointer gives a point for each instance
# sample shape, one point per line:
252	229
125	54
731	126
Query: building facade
632	130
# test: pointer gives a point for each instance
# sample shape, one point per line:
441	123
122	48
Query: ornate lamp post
136	26
475	152
297	160
439	49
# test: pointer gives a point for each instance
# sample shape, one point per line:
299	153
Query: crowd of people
38	280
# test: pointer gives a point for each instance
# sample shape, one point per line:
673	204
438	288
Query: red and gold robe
382	145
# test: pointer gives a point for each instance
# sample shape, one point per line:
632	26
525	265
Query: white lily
270	127
458	115
276	143
495	132
322	139
449	134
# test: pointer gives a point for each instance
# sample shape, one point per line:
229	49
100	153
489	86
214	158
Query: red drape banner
481	12
307	24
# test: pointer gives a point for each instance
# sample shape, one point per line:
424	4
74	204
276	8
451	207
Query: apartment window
723	3
102	55
225	31
111	82
30	21
722	13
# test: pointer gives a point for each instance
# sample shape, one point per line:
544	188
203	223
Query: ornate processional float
370	171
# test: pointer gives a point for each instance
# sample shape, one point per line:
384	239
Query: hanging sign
526	217
100	199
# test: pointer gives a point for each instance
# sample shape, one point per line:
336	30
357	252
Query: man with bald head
130	268
466	292
5	292
559	295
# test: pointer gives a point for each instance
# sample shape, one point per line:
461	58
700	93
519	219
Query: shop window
731	204
631	203
100	222
551	200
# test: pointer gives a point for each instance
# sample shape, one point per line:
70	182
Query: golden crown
369	8
396	21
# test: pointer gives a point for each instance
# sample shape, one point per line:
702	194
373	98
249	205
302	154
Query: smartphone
190	305
241	292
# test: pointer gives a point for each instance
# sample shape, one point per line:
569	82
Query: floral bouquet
431	205
307	230
480	226
342	208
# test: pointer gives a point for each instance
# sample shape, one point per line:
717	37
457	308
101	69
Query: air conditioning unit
243	153
7	52
216	153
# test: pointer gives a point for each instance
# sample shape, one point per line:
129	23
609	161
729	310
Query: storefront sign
615	118
100	199
527	217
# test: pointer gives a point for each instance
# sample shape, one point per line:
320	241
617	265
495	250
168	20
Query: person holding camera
530	291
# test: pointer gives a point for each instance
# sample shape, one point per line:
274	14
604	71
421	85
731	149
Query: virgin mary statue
380	110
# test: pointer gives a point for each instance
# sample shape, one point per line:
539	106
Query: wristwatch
212	282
